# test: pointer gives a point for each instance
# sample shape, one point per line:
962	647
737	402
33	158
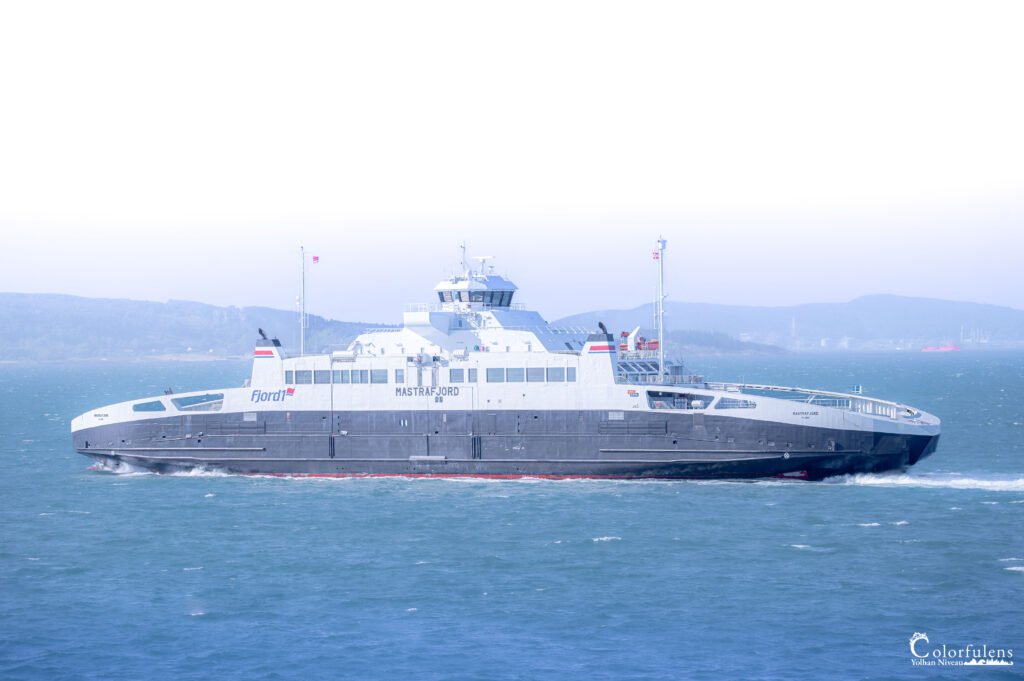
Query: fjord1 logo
271	395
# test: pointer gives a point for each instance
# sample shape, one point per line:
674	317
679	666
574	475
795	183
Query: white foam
1011	560
1015	568
868	524
934	481
200	473
121	468
191	569
800	546
606	539
900	522
207	496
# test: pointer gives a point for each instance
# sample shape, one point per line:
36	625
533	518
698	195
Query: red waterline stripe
491	476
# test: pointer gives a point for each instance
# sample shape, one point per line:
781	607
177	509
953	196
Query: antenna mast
659	255
302	303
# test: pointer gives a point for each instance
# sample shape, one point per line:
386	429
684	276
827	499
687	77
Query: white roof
476	282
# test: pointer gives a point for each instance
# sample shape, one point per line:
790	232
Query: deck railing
823	398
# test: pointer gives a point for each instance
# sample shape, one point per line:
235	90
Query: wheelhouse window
378	375
400	376
456	375
342	376
556	374
360	376
517	375
657	399
207	402
471	376
155	405
322	376
570	374
535	375
303	377
289	377
495	375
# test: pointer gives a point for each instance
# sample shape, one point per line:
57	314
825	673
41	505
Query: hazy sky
789	152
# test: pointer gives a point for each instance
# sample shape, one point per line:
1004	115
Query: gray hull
557	444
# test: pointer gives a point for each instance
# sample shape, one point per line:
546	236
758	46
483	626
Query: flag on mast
316	259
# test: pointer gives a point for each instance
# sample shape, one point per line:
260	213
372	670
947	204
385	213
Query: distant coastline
59	328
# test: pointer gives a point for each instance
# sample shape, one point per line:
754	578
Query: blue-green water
206	577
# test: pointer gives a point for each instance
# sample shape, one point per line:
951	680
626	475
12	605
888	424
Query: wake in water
125	469
944	481
938	481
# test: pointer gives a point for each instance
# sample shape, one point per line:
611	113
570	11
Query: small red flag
316	259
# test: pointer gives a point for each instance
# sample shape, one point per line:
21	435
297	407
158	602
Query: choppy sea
140	576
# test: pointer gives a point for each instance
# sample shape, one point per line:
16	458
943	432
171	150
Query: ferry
475	385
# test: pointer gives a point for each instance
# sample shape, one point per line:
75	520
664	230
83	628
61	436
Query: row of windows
496	298
532	375
494	375
306	377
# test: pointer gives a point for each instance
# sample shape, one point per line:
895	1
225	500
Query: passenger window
733	403
668	400
156	405
208	402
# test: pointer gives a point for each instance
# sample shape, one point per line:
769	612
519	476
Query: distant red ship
949	347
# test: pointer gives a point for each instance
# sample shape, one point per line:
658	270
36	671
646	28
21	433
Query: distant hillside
712	343
869	322
54	327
